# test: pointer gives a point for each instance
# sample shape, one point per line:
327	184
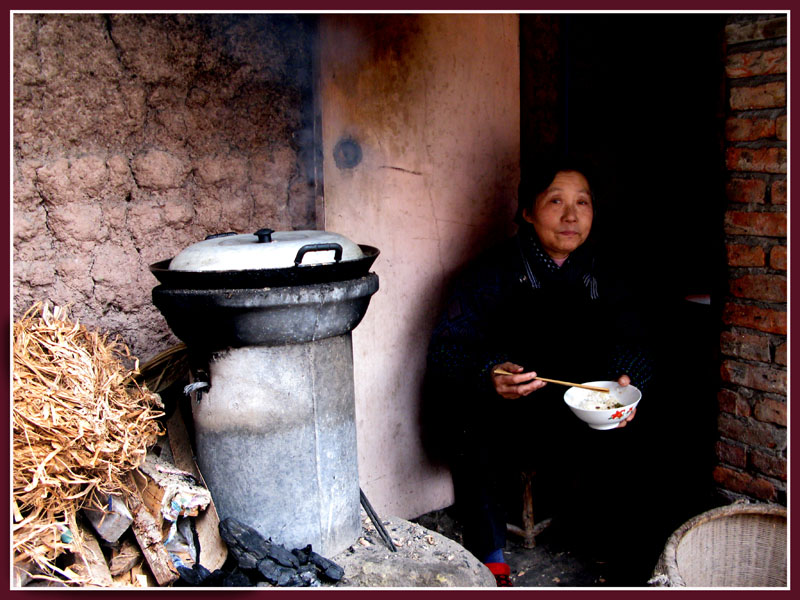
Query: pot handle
337	248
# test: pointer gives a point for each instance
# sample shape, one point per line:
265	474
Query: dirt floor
557	561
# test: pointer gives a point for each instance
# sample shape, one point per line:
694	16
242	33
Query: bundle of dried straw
81	423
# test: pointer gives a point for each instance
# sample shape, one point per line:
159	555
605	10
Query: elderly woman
540	303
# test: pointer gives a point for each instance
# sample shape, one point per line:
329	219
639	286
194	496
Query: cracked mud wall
136	135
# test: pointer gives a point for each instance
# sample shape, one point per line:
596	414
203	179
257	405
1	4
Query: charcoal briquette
307	568
217	578
302	554
275	573
194	576
269	570
309	578
328	568
237	580
281	555
249	547
287	577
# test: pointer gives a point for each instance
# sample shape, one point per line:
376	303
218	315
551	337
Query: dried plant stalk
165	369
81	423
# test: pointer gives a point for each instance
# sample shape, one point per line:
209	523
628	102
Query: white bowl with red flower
603	410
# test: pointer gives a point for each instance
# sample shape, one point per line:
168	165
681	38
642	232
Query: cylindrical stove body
276	441
276	431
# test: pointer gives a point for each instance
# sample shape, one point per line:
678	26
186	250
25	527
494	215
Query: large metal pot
265	289
265	259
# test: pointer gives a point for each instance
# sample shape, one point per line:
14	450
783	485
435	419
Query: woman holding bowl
540	303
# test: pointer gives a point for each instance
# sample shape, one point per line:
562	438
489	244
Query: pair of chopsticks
567	383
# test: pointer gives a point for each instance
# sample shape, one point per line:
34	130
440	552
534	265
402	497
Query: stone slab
424	558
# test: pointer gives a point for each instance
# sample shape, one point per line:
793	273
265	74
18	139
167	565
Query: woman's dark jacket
575	323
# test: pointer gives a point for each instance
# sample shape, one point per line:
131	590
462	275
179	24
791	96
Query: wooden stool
530	529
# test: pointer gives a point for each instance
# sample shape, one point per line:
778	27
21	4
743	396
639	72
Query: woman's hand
623	381
517	385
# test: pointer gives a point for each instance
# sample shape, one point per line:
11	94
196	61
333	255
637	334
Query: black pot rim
260	278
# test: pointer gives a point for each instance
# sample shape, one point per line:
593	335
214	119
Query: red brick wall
751	449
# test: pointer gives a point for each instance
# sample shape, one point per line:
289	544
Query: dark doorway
642	96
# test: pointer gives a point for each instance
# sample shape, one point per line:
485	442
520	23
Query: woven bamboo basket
739	545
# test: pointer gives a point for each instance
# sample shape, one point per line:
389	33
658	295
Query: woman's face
562	214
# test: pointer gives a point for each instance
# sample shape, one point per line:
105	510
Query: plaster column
421	137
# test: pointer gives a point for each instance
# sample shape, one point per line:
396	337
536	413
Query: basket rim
668	564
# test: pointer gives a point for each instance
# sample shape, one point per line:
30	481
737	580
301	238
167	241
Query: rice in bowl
600	401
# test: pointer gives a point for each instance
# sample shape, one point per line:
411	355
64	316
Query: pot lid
265	249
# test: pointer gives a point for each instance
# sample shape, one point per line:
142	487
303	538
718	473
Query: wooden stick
90	561
567	383
147	531
212	552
